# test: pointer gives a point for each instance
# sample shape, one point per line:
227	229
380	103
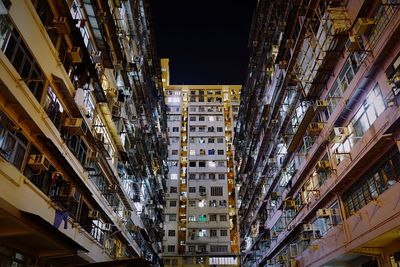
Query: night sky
205	40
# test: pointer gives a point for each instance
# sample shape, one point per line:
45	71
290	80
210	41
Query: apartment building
82	134
317	139
200	213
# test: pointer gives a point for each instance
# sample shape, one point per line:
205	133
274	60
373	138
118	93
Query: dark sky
205	40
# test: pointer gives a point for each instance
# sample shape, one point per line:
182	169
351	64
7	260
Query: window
174	176
13	143
193	118
202	203
174	261
175	129
192	176
202	190
171	232
172	163
221	176
172	203
192	163
220	129
222	203
192	203
210	129
212	164
213	217
192	218
371	108
192	152
202	129
202	118
213	203
192	248
211	151
221	163
171	248
174	152
202	152
223	232
193	109
376	181
211	176
202	218
220	151
213	233
220	140
218	248
211	140
173	189
202	176
202	164
216	191
172	217
222	218
202	233
192	189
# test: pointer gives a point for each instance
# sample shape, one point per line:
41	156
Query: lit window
174	176
202	218
211	164
202	203
192	218
211	118
202	233
192	152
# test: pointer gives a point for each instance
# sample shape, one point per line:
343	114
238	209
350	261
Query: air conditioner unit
75	54
93	156
308	227
321	105
324	213
107	226
289	204
75	126
96	55
305	236
282	64
61	25
135	228
274	195
353	44
290	43
323	165
281	259
39	162
341	133
94	214
362	25
112	188
315	128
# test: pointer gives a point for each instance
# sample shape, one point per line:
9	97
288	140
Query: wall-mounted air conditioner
39	162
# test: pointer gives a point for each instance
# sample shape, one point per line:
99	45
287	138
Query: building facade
317	139
200	213
82	133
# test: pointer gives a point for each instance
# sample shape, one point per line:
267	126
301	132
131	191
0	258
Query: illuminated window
174	176
192	152
202	203
202	218
211	118
211	164
191	218
202	233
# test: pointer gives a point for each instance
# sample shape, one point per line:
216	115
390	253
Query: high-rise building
317	140
200	213
82	133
